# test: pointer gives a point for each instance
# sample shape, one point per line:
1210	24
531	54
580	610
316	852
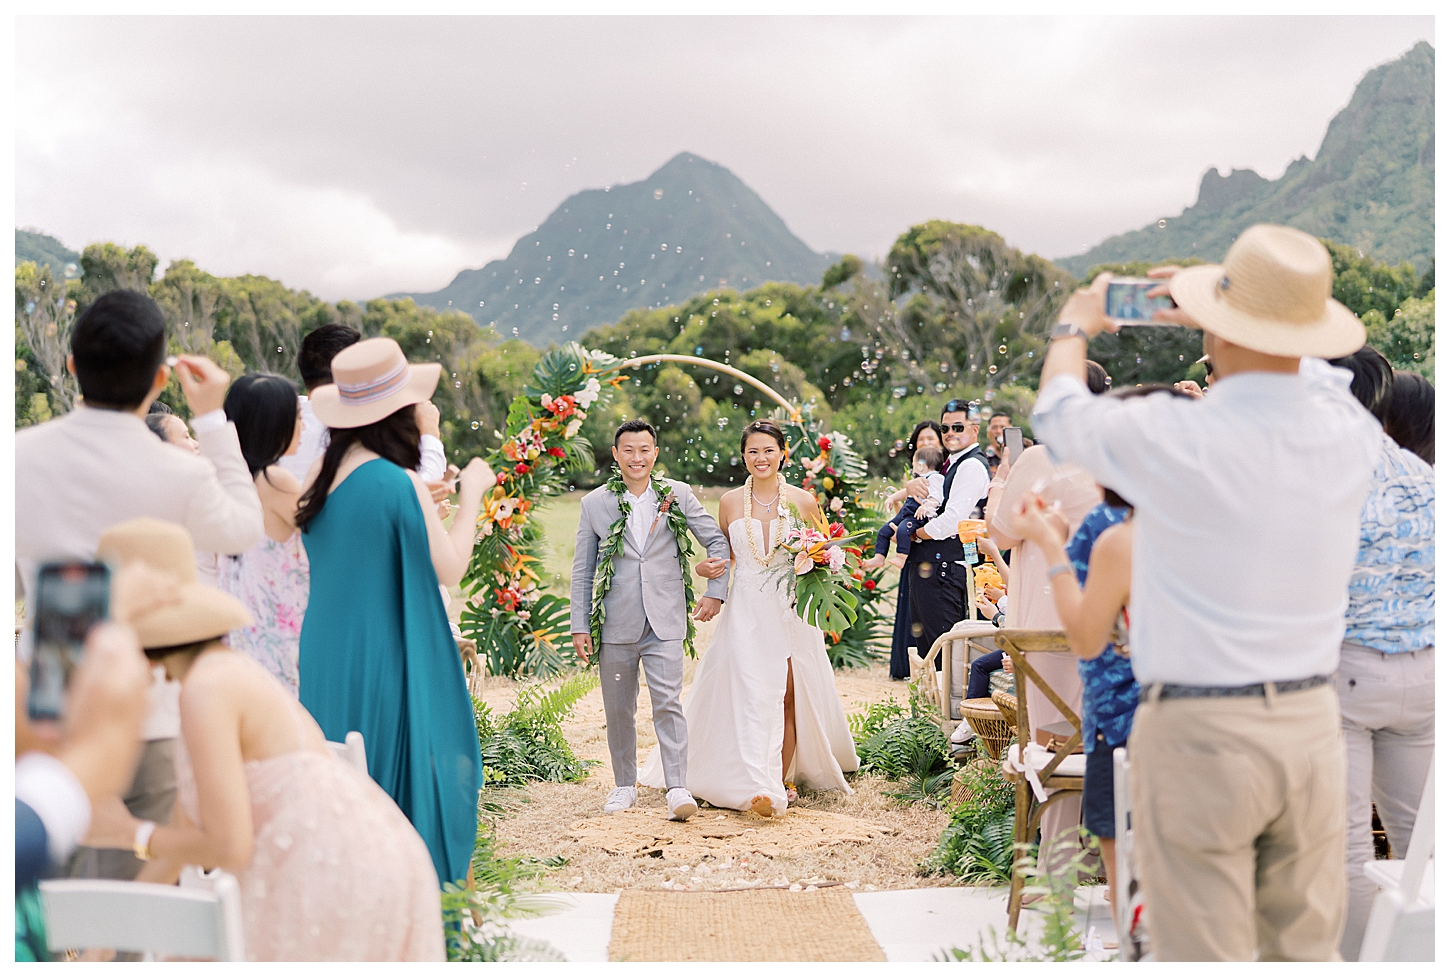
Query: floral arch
520	626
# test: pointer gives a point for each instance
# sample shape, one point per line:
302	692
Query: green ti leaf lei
678	526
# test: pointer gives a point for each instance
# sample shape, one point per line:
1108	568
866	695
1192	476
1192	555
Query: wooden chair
354	751
1402	920
956	648
203	921
1034	769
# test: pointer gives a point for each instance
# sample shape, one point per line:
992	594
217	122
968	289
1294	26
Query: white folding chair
1124	889
353	751
1402	920
141	917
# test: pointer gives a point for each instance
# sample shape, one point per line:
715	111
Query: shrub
906	746
977	844
528	743
474	927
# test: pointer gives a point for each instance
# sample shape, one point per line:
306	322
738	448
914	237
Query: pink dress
271	580
337	872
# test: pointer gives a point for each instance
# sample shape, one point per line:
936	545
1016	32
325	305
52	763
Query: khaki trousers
1238	811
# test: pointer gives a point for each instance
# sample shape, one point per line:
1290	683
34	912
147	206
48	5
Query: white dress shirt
1246	520
642	512
969	485
80	474
313	444
57	798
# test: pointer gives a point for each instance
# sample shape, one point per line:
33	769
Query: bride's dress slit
762	664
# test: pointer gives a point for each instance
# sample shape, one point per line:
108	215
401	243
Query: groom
644	609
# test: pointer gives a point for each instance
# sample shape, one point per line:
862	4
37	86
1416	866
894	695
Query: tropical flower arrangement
826	464
824	556
520	627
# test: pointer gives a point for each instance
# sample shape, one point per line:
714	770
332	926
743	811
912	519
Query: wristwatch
1065	330
142	843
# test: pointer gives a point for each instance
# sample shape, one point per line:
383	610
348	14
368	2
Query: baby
926	463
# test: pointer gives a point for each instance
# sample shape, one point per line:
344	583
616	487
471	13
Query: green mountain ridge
41	248
1371	184
689	227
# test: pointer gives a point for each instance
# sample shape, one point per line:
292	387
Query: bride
762	714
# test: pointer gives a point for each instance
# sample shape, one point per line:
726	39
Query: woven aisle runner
751	925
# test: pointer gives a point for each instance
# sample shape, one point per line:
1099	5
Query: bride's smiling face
763	457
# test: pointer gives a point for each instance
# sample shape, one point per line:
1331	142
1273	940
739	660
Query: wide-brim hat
1271	295
371	380
202	612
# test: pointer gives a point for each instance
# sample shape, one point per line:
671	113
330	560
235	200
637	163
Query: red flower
824	443
837	530
556	452
830	471
521	468
869	584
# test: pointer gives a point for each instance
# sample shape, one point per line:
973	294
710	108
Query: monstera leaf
824	603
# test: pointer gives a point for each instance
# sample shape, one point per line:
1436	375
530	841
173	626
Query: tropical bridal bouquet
825	568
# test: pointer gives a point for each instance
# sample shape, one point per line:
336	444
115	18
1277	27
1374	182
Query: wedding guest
377	654
902	638
1410	419
328	867
314	363
939	591
1032	607
1241	851
1386	677
271	578
99	465
996	425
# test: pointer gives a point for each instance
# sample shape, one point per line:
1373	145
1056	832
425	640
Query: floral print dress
271	580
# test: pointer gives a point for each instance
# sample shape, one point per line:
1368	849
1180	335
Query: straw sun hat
203	612
1271	295
371	380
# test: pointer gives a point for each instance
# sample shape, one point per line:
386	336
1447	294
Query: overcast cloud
358	156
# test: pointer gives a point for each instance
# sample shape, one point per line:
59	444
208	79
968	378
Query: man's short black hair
630	427
967	407
314	358
119	343
1373	379
1000	413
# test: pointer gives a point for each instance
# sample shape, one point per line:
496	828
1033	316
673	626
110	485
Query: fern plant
528	743
1061	940
475	919
976	845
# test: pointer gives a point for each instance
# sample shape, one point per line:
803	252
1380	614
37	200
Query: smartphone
69	599
1012	437
1129	304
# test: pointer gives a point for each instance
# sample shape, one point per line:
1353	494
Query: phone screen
1128	301
1013	436
69	599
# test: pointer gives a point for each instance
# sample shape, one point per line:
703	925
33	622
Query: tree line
955	312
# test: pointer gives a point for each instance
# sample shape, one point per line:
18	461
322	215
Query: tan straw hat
1271	295
203	612
371	380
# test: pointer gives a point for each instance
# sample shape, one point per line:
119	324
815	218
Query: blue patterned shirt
1109	691
1392	590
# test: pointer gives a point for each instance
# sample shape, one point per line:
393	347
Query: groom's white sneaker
620	799
681	804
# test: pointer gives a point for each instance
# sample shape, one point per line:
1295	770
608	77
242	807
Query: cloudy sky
357	156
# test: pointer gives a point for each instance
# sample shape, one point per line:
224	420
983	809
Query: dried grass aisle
866	841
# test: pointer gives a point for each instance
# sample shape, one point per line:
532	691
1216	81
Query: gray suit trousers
664	673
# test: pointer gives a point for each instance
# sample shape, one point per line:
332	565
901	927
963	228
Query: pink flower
803	563
836	557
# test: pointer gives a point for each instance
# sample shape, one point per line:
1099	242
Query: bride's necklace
750	518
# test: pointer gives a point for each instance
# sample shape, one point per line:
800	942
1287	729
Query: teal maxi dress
377	656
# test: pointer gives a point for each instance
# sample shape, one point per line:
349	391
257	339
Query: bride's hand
707	608
712	567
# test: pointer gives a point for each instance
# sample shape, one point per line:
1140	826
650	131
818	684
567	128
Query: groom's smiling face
635	453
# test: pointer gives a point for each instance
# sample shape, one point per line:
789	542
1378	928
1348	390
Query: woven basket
1007	702
961	794
985	716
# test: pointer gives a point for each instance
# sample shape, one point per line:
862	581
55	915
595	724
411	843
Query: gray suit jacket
647	585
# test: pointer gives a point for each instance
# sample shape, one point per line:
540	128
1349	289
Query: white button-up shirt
969	485
1246	522
642	512
432	464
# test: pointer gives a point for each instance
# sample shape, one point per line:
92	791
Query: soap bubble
1162	223
992	368
739	390
1002	348
474	425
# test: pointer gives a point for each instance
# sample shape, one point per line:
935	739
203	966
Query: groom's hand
706	609
583	646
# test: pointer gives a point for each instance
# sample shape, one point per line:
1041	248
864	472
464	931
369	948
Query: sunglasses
955	428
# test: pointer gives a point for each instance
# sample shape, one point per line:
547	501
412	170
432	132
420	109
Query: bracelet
997	619
141	846
1058	570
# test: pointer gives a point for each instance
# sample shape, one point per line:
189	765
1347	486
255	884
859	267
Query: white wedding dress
735	712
